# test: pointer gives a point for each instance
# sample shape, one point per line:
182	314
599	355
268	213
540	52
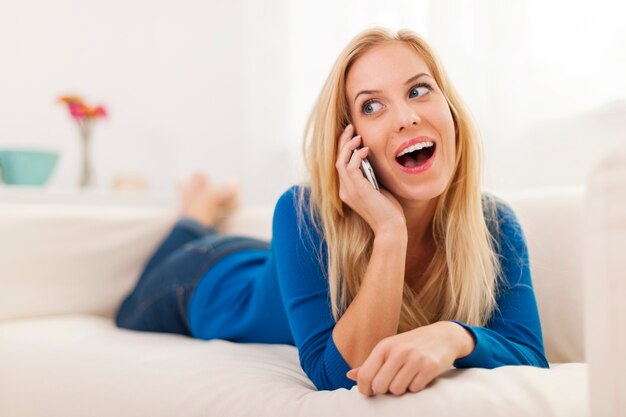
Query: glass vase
86	175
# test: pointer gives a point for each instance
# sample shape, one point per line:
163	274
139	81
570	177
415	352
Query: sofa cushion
83	365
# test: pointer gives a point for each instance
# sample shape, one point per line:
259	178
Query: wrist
392	234
465	343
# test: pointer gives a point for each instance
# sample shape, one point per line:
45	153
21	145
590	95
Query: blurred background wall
227	86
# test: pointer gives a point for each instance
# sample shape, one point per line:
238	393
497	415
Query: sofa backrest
69	254
82	257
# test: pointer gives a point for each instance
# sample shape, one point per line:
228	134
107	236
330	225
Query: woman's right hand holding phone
379	209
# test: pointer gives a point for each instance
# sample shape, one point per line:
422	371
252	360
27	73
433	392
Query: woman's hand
379	209
410	361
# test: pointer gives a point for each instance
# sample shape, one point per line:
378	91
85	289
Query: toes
207	202
200	179
228	196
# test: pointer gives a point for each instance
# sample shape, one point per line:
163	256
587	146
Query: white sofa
66	261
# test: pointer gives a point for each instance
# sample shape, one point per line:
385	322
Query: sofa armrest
605	278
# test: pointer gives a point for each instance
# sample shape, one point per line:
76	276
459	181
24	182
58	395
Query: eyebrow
409	81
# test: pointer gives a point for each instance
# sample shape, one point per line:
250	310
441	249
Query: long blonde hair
460	281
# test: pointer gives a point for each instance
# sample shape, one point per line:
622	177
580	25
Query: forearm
375	311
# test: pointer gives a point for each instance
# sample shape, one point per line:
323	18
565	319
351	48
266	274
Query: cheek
447	129
447	123
371	133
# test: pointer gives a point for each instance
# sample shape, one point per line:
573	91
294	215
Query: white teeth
415	147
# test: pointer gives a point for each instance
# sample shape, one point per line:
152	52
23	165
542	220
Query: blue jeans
159	302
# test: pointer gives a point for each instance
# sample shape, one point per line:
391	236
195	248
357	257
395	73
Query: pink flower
99	112
80	111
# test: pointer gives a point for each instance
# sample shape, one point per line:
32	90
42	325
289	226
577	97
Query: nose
406	117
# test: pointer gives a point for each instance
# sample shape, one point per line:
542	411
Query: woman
385	288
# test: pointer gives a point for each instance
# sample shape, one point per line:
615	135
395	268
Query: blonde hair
460	281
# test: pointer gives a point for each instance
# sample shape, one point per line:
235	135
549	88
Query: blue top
280	295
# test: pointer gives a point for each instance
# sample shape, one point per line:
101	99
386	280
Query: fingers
420	381
369	370
346	151
392	368
387	373
346	135
353	374
400	381
392	376
349	158
355	159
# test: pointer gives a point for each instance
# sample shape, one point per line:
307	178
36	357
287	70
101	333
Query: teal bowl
26	167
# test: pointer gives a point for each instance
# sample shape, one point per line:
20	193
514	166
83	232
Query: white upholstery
552	220
65	268
81	365
606	285
82	257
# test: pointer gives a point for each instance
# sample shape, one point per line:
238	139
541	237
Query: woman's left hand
410	361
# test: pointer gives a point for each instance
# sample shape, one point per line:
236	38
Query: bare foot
207	203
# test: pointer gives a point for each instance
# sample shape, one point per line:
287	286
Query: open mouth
416	155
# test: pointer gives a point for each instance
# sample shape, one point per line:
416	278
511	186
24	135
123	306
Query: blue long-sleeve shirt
281	296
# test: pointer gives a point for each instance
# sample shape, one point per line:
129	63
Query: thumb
353	374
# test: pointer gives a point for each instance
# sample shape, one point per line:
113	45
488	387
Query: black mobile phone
368	172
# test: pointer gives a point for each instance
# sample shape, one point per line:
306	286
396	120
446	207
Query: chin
419	192
418	189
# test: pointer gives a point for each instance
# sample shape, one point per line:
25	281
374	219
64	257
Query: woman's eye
418	91
371	107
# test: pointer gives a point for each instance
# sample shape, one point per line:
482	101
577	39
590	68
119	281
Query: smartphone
368	172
